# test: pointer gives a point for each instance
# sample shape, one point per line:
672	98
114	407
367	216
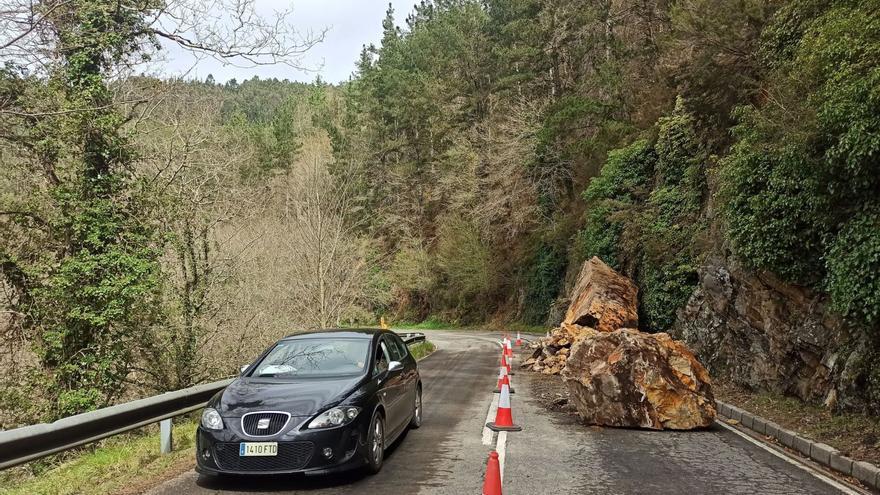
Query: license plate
248	449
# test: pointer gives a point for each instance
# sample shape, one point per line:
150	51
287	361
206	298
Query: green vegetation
422	349
91	282
119	464
644	215
426	324
802	181
125	202
543	282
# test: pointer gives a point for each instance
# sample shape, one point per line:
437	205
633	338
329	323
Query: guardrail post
165	439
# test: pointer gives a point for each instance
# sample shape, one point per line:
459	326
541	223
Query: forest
153	231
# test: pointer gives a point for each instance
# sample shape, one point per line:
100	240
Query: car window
393	350
402	349
314	357
381	358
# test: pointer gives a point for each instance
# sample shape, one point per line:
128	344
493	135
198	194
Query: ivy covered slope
802	183
800	189
644	215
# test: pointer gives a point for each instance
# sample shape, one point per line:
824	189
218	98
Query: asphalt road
552	455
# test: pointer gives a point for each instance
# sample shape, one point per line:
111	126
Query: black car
313	403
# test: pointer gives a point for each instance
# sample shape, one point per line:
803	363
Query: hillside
723	155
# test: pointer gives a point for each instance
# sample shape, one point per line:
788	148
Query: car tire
416	420
376	443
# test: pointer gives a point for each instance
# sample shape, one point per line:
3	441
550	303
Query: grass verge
524	328
509	327
120	465
429	324
854	435
421	350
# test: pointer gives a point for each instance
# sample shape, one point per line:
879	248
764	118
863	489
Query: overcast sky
351	24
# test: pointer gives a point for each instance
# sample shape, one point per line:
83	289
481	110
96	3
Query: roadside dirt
550	392
140	485
854	435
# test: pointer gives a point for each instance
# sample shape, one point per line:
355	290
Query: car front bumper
299	451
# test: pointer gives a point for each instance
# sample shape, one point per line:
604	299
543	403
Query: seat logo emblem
263	424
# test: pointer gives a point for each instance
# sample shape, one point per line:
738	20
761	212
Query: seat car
313	403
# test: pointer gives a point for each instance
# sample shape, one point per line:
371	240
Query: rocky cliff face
763	334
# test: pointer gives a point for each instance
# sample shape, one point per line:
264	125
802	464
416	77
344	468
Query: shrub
665	287
610	198
776	210
543	280
600	236
643	213
679	152
625	176
668	273
853	258
464	265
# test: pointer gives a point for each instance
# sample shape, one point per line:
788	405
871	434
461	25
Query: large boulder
632	379
603	299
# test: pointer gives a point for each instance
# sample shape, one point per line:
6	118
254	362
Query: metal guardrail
32	442
412	337
25	444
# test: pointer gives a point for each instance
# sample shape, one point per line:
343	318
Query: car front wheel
376	443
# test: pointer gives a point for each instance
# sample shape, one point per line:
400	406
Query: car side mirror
243	368
395	366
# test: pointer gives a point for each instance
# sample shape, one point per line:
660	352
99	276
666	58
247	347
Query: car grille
291	456
277	421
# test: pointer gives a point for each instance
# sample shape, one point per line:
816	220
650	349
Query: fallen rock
602	299
632	379
549	354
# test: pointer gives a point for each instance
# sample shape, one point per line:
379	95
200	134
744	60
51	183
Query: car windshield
313	357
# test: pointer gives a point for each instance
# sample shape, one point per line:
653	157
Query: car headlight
211	419
335	417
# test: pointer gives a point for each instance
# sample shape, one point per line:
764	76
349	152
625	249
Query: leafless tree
191	164
229	30
326	259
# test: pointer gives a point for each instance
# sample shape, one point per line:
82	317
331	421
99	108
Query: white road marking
490	416
822	477
501	441
501	448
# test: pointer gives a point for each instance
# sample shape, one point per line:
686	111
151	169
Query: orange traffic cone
518	340
508	349
502	379
505	363
503	417
492	483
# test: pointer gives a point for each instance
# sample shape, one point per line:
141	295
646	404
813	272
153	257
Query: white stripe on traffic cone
503	377
504	417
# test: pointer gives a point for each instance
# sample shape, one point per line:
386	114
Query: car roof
358	333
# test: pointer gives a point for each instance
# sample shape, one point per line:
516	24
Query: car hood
304	397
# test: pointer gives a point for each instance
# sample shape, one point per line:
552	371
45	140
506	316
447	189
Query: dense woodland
154	232
501	143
